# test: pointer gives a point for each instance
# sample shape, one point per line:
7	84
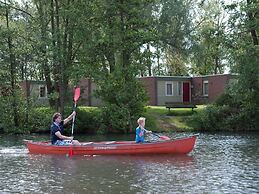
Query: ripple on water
218	164
13	151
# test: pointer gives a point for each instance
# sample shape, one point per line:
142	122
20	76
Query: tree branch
16	8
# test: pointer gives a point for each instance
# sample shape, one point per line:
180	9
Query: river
219	163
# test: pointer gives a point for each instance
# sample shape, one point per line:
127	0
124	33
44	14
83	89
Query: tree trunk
216	65
55	62
149	61
158	62
12	73
252	20
43	49
60	64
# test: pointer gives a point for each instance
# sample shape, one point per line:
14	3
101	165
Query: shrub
225	118
87	120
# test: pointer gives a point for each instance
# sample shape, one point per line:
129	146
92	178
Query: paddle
76	97
163	137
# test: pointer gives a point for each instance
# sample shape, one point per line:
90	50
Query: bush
40	119
87	120
227	99
224	118
224	99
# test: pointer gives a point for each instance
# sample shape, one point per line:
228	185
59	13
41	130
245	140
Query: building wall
95	101
150	85
85	87
87	97
161	89
197	91
155	86
161	93
216	86
32	88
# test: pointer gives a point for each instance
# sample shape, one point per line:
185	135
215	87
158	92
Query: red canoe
177	146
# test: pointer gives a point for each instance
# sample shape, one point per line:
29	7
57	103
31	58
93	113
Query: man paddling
57	129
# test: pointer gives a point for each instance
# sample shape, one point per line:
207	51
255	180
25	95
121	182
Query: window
179	88
43	92
205	88
169	89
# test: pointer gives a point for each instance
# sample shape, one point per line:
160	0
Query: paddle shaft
155	134
160	136
76	97
152	133
74	117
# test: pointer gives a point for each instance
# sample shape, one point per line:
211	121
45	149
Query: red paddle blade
77	94
163	137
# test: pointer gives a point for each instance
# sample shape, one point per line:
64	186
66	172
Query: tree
208	49
14	58
115	30
247	57
174	30
240	105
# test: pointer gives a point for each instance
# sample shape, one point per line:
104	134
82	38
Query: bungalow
186	90
160	89
37	90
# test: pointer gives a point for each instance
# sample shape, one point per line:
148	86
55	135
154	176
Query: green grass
160	119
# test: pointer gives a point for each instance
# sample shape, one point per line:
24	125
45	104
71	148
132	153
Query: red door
186	92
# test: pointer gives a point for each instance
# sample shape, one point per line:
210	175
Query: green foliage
215	118
40	119
227	98
7	114
87	120
225	118
111	42
238	108
173	29
124	100
208	49
110	56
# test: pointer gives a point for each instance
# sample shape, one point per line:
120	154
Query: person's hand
71	138
72	115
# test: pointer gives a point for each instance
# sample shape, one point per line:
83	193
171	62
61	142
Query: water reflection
175	160
112	174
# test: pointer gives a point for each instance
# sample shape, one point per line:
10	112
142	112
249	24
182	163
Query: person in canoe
140	130
57	129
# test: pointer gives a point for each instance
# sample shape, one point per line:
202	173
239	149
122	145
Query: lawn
161	119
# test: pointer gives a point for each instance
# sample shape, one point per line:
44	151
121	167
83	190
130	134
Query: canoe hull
178	146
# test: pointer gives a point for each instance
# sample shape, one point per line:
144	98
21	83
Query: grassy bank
161	119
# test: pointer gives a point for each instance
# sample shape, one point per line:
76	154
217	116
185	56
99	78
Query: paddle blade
77	94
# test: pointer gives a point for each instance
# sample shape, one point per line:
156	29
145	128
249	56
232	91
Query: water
220	163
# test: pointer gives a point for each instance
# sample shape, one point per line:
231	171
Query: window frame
179	92
45	92
172	88
205	82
